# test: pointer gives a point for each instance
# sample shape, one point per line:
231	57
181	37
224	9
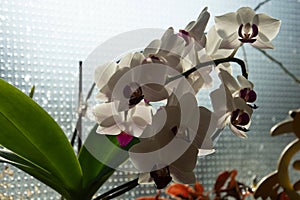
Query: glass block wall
41	43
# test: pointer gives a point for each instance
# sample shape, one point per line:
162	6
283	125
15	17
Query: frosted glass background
41	43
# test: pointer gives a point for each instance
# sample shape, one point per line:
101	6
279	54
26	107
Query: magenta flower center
124	138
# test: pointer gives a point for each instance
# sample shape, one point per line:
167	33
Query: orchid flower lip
247	36
248	95
161	177
136	97
239	117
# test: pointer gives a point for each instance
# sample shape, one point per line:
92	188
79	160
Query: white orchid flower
121	81
232	111
245	26
213	50
132	122
169	147
243	88
106	76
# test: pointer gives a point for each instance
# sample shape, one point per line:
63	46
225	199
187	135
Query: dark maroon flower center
161	177
134	96
247	33
174	130
239	118
248	95
153	59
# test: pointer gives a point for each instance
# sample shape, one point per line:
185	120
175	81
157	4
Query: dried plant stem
261	4
280	64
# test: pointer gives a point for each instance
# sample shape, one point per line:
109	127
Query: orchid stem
117	191
213	62
245	55
78	128
79	125
234	52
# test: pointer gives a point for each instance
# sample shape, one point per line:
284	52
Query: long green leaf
99	157
28	130
35	171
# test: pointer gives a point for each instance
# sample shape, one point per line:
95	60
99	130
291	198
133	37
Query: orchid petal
141	115
245	15
229	81
245	83
110	121
207	126
103	73
116	77
153	92
230	42
112	130
217	100
152	48
267	25
262	42
171	43
199	26
205	152
125	60
237	132
226	24
213	41
103	111
187	161
137	59
240	103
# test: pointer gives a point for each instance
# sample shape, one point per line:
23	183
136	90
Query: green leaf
35	171
28	130
99	157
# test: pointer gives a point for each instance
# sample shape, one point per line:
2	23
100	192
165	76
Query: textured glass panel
41	43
